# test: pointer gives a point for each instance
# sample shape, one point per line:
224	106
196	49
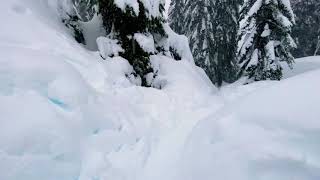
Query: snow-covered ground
65	114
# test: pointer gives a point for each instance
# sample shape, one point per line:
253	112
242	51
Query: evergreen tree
306	31
265	39
198	28
226	28
176	14
211	27
123	23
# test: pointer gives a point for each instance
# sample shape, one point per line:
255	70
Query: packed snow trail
163	160
66	114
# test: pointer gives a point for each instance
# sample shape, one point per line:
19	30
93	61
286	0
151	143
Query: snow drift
67	114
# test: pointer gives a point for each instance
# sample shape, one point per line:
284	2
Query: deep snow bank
66	114
266	130
302	65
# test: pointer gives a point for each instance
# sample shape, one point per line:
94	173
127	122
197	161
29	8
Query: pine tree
198	27
225	36
306	31
265	39
176	14
124	23
211	27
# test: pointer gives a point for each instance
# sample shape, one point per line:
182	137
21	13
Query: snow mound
302	65
266	130
108	47
67	114
179	43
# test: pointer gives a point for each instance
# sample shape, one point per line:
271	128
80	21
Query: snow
67	114
179	43
122	4
266	31
108	47
287	5
284	20
91	31
270	52
302	65
151	6
145	41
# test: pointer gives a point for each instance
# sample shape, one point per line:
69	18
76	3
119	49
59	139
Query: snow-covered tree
211	27
307	29
225	25
176	15
264	38
198	28
138	25
85	9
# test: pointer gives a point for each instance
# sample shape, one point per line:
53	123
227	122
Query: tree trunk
318	47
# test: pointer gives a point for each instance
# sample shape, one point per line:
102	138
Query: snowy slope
66	114
267	130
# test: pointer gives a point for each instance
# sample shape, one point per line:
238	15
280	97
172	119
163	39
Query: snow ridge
68	114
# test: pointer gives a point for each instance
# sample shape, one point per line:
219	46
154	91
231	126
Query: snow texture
179	43
91	31
66	114
151	6
108	47
122	4
145	41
